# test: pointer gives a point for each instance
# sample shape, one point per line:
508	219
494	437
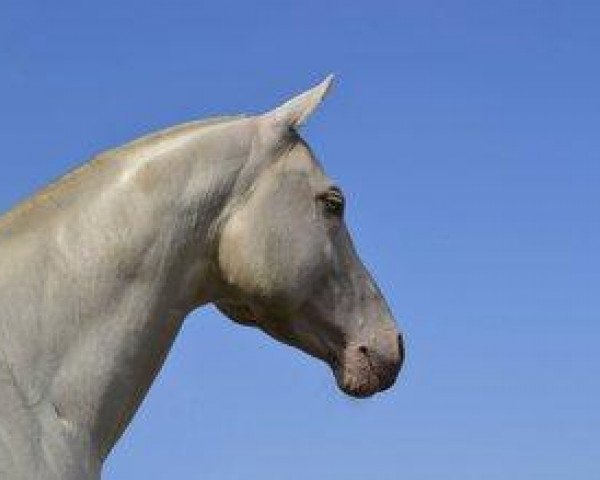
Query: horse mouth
363	385
361	374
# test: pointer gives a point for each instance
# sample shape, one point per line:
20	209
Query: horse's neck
101	289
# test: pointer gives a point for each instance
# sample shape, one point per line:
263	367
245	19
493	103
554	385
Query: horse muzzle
364	370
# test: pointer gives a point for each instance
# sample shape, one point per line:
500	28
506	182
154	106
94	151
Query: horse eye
334	202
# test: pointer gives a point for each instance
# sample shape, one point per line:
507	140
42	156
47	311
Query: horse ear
294	112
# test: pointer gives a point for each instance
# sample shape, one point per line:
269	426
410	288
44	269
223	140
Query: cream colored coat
98	271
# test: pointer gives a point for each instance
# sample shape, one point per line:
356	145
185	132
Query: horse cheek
236	254
306	266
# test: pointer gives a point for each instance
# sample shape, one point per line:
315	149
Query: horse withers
98	271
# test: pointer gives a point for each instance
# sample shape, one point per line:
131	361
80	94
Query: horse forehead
300	159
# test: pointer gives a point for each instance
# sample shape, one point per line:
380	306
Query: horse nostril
362	349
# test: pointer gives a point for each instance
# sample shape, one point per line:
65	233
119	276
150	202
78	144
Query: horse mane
152	138
47	199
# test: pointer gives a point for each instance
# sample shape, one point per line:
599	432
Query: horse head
287	262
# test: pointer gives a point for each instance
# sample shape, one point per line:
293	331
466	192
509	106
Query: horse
99	270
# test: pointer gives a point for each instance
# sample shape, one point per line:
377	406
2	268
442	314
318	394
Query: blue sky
466	135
